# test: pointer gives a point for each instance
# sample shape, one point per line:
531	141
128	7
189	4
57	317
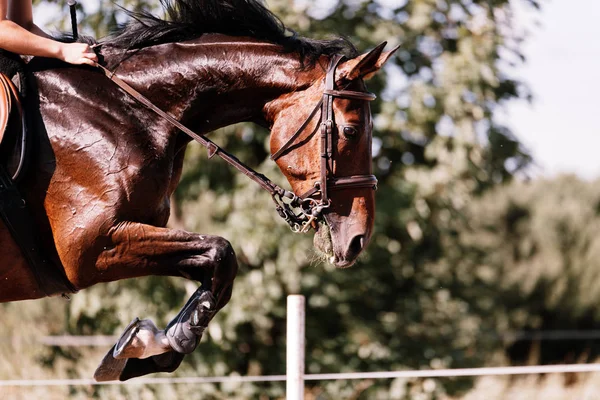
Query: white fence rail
546	335
436	373
295	377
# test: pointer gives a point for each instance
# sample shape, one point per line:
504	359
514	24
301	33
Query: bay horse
106	164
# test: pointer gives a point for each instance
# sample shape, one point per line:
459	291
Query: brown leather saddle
12	128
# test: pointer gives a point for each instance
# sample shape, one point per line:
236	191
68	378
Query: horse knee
226	262
222	249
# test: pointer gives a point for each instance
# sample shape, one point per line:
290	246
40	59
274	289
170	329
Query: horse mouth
323	243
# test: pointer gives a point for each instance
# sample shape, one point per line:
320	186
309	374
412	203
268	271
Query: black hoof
110	368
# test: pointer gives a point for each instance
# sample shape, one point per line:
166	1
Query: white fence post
295	348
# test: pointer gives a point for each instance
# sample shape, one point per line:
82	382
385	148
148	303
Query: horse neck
211	84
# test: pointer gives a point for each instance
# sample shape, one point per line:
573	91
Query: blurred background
487	243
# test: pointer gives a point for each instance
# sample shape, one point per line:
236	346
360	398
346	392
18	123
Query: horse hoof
141	339
109	369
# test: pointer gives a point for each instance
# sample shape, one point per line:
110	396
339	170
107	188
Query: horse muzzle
341	239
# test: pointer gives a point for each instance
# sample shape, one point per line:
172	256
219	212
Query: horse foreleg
142	339
134	250
208	259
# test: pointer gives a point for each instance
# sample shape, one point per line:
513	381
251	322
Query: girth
298	211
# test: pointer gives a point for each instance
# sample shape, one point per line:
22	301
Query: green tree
437	147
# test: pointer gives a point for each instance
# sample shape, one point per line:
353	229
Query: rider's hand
77	53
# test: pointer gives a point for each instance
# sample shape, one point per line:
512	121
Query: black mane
190	19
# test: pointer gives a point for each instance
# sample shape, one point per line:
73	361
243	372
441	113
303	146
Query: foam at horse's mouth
323	243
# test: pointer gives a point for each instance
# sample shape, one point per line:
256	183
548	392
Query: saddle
14	211
12	128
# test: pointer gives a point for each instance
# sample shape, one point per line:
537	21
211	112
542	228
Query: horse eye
350	132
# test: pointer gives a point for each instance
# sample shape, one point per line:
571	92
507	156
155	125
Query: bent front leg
144	250
135	250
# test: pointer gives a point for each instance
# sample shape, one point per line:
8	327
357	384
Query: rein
300	212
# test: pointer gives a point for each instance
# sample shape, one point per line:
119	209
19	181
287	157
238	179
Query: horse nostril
356	246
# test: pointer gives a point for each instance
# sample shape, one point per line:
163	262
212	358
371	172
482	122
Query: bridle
300	212
312	209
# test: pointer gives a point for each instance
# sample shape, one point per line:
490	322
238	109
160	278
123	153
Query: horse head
328	161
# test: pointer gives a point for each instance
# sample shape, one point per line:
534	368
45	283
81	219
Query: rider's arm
16	27
21	13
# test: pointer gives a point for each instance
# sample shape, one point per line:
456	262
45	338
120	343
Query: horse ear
364	66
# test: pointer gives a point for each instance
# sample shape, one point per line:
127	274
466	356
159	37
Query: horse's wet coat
105	166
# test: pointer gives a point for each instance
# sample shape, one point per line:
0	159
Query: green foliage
541	242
